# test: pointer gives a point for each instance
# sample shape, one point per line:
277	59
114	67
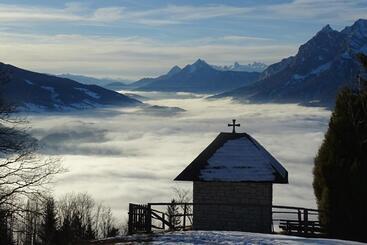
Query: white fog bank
132	155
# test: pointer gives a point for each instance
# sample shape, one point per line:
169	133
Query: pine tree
65	235
77	228
31	223
48	226
89	232
172	212
6	234
340	172
113	232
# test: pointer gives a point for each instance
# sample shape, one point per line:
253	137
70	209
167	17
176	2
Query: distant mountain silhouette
109	83
32	91
198	77
256	66
314	75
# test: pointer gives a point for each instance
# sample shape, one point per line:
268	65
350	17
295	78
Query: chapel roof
234	157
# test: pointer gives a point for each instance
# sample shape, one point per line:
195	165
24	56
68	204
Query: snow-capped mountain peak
357	36
174	70
254	67
360	25
322	65
326	29
199	64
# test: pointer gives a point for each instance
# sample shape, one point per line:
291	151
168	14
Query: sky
131	39
134	155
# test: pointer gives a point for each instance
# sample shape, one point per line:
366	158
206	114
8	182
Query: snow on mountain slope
322	66
254	67
36	92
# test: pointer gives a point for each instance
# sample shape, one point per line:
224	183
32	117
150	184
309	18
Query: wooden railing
296	220
154	216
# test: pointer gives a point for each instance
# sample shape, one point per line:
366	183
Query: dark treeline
70	219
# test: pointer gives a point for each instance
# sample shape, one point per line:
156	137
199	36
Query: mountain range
199	77
32	91
109	83
322	66
255	66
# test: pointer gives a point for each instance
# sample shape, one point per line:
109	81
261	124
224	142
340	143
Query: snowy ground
227	237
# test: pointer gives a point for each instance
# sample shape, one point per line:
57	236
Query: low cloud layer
132	156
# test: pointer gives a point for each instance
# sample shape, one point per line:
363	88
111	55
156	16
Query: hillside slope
32	91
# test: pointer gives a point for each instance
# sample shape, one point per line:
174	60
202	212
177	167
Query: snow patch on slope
315	72
89	93
28	82
32	107
54	95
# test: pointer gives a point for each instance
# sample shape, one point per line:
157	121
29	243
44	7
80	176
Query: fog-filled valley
122	155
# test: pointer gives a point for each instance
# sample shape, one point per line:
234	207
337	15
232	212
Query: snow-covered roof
235	157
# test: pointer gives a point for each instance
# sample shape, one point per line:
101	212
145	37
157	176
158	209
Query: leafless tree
106	222
81	204
184	196
98	217
23	173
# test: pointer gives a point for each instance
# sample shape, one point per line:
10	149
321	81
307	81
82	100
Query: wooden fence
154	216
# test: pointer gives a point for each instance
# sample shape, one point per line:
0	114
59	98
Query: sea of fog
132	155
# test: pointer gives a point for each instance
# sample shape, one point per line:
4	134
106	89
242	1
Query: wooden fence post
130	225
184	217
148	219
164	224
305	219
299	220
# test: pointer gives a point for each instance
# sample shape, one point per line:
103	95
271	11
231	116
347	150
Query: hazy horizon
130	39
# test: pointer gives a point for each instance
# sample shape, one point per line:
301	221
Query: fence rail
179	216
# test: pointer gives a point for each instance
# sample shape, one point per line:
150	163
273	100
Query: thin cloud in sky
172	14
245	38
322	10
187	13
131	39
70	13
178	14
128	57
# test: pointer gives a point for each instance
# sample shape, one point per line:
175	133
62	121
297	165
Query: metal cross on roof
234	125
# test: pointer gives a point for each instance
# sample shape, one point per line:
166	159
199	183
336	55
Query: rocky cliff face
314	75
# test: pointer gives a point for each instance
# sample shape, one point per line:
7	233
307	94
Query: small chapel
233	184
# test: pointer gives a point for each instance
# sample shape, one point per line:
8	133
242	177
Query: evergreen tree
172	212
31	223
113	232
48	226
6	234
89	232
77	228
65	234
340	172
